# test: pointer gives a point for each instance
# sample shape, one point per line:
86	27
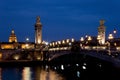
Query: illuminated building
12	37
101	32
38	32
14	44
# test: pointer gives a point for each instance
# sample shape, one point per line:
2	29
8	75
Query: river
60	72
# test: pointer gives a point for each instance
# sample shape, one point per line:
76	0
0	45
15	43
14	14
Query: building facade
12	37
14	44
38	31
101	32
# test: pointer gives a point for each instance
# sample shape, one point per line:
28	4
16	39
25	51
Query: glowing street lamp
72	40
46	43
50	44
59	42
81	39
53	44
89	38
27	45
110	37
68	40
114	31
56	43
63	41
27	39
86	36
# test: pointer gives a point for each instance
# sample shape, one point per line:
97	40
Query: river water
60	72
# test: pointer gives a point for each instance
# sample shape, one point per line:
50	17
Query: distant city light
27	39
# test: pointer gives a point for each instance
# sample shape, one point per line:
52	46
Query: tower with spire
38	31
12	37
101	32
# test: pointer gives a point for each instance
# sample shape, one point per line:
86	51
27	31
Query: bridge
57	49
66	47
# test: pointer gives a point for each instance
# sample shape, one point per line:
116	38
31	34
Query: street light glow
81	39
114	31
27	39
89	38
110	36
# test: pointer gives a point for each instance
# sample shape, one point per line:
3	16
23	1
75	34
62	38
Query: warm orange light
110	36
89	38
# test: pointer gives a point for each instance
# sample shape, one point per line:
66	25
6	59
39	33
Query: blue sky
61	19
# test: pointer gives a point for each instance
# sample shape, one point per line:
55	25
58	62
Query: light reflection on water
29	73
46	74
26	73
58	72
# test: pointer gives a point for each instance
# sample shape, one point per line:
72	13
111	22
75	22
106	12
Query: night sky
61	19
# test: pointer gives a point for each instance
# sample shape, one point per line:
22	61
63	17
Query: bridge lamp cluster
73	40
89	38
61	45
98	37
45	42
82	39
59	42
62	42
67	40
110	36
